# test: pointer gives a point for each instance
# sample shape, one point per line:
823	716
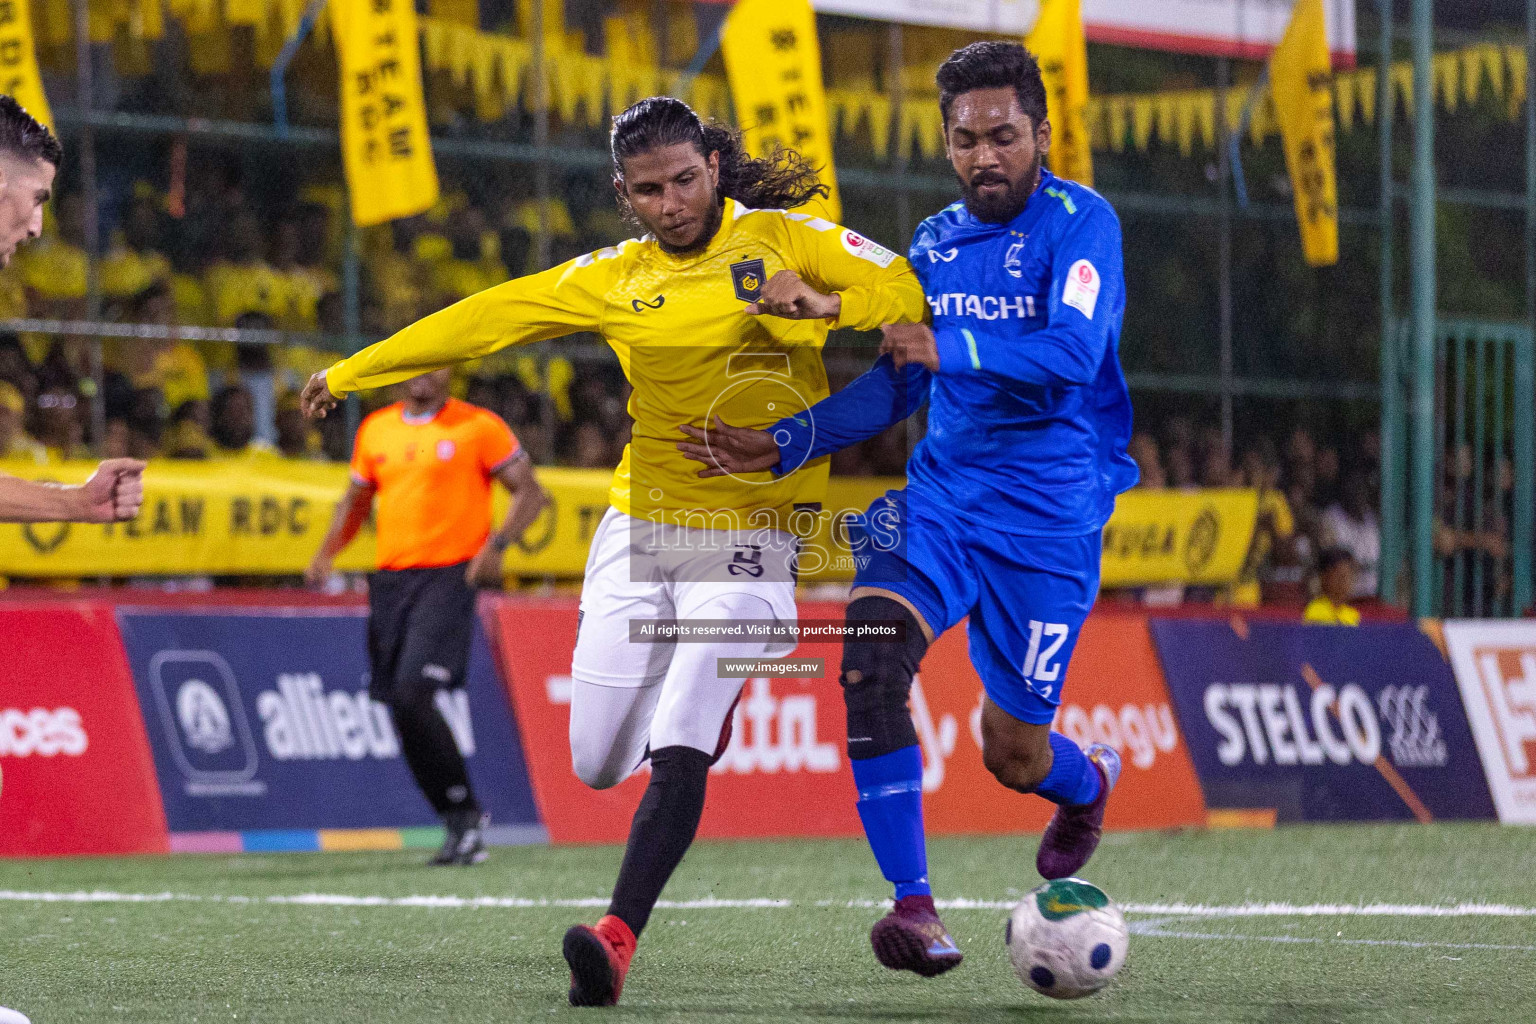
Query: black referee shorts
419	626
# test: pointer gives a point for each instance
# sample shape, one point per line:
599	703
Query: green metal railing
1477	504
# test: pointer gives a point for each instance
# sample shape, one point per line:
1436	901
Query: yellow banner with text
267	517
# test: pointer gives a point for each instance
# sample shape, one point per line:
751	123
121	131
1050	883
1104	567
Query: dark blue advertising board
1323	723
260	720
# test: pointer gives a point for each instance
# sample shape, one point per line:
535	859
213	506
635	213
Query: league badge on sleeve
748	277
867	249
1082	289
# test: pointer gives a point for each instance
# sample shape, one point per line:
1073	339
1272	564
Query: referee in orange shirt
430	461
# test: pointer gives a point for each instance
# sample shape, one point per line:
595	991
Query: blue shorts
1026	596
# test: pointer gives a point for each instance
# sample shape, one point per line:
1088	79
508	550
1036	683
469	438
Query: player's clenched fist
317	399
910	343
787	296
726	449
114	492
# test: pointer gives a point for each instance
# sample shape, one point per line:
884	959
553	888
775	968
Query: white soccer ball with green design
1067	939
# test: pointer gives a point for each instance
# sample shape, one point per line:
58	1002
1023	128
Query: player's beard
711	227
1000	209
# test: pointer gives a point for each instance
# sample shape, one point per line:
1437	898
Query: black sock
433	756
663	829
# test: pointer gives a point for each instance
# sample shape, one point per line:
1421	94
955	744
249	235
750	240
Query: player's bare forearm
25	501
114	493
351	513
529	499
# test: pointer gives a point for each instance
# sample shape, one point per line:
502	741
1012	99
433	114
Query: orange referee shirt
433	480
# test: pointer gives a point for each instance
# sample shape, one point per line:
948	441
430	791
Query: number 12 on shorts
1040	664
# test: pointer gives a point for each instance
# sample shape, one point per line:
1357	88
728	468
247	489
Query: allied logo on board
204	718
219	750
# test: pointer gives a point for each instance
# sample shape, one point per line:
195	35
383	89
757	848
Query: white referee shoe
8	1016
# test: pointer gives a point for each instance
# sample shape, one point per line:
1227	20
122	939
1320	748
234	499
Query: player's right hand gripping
317	399
725	449
789	297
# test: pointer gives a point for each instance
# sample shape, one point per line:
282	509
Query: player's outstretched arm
113	493
561	301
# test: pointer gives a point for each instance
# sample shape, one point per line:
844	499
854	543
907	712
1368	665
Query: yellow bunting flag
773	61
19	76
385	146
1301	81
1057	40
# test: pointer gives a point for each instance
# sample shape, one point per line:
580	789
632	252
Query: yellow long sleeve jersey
685	343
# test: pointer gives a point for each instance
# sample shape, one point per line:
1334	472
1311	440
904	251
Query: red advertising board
78	778
786	772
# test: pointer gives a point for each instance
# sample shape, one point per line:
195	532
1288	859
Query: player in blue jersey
1007	495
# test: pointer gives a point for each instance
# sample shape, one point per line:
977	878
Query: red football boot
599	957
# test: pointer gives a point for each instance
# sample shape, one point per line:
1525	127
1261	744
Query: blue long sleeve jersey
1029	412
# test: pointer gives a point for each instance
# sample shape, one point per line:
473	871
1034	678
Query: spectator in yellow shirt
1336	583
15	442
466	271
53	269
298	290
61	424
234	426
133	261
175	367
243	282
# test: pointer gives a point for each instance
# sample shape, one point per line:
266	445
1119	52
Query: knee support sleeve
876	678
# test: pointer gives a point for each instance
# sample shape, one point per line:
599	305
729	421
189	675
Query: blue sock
1073	779
891	808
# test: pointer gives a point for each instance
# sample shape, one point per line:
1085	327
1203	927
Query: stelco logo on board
1268	723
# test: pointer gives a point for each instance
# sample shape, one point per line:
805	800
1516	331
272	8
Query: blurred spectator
60	424
1335	582
1143	448
187	435
243	282
1326	473
258	377
589	447
15	442
1351	524
135	259
298	290
53	269
233	416
296	438
467	269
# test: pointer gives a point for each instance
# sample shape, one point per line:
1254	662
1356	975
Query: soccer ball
1067	939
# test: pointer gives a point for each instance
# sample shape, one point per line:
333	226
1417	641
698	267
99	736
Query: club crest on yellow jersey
748	276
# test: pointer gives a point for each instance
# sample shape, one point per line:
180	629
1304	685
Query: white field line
1198	910
1154	929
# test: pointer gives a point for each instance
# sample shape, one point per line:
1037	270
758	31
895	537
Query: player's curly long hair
781	181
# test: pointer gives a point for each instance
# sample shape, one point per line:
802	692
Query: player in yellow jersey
720	310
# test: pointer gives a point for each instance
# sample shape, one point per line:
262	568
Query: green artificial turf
250	959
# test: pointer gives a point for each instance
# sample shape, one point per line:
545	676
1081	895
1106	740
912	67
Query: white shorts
629	696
